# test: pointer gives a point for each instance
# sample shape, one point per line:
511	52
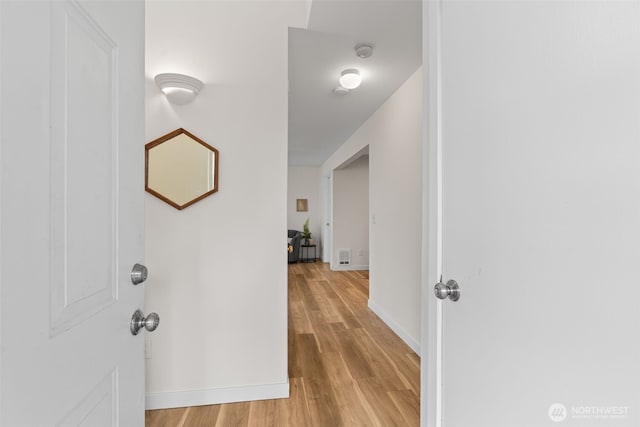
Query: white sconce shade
350	79
179	89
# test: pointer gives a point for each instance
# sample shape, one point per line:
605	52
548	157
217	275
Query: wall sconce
179	89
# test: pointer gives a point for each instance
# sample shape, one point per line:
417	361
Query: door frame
327	226
431	366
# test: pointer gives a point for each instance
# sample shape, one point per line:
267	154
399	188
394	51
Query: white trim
399	331
348	267
431	367
2	203
327	236
180	399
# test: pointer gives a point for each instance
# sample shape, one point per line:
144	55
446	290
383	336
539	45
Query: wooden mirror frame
168	137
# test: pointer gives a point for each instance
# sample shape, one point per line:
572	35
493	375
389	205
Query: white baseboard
348	267
180	399
408	339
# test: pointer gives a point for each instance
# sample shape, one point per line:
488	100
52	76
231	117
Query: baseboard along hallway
346	366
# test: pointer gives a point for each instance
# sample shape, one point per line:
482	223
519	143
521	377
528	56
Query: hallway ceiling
319	120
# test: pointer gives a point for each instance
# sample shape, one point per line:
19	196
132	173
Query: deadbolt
138	321
138	274
449	290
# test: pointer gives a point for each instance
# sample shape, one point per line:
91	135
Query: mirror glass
181	169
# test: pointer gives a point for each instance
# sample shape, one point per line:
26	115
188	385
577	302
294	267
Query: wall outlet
147	349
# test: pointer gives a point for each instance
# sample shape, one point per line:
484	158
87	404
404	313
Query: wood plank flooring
346	367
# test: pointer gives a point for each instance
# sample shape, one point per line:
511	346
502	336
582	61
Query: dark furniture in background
293	239
305	253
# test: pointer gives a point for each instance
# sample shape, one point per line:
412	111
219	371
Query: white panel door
535	199
72	133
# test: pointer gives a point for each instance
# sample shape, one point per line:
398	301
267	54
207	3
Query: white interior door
72	133
535	200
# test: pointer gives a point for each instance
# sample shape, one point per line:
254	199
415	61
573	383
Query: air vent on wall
344	256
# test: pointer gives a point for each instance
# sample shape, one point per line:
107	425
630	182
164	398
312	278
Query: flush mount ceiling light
180	89
350	78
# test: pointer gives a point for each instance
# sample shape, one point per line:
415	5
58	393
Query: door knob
138	274
450	290
138	321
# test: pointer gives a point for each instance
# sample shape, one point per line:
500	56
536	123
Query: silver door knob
450	290
138	321
138	274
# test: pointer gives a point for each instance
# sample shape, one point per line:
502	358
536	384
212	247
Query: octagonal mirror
180	169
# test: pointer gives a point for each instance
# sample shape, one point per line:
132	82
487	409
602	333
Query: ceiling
319	120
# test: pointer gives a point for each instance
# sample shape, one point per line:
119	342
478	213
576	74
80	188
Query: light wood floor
346	367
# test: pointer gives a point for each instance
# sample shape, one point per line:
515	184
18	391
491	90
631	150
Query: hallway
346	367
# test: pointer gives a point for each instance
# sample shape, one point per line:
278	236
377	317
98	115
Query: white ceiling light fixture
179	89
350	78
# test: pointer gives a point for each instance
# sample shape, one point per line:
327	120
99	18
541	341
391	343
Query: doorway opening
350	214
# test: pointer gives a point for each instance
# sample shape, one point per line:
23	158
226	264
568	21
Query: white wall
304	183
223	330
351	214
394	136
